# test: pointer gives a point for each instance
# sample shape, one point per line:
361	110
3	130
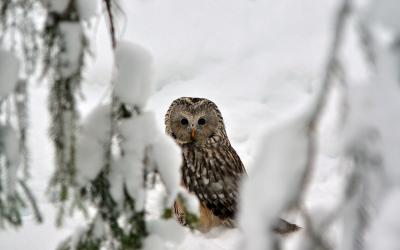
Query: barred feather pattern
213	174
211	168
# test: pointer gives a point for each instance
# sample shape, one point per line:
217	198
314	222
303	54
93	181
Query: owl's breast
194	169
211	175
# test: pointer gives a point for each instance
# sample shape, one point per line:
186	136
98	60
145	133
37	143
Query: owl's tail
281	227
284	227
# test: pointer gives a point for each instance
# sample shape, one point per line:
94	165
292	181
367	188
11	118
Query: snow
153	242
216	239
9	66
137	133
131	167
373	108
258	60
191	202
145	148
372	135
93	135
87	8
117	178
376	108
58	6
9	146
167	230
385	12
167	158
385	229
278	175
133	82
70	54
97	124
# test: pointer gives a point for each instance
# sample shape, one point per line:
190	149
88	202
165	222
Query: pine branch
32	200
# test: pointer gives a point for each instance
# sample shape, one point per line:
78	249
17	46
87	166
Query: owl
211	168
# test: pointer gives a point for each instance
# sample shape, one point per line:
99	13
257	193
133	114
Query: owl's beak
193	135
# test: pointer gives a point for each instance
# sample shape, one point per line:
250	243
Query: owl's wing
218	179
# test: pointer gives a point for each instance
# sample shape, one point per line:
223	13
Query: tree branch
111	20
326	85
314	121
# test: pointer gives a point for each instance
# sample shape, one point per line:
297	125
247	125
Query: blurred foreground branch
331	68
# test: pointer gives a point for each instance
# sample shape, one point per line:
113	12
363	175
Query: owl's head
191	119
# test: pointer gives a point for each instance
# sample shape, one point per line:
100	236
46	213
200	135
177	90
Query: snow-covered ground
259	61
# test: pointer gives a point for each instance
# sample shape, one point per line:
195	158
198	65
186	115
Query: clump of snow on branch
280	165
70	54
138	148
146	149
58	6
133	81
137	137
167	160
191	202
9	67
93	136
142	143
87	8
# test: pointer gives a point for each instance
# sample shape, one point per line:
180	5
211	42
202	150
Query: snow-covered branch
136	148
66	47
17	41
295	137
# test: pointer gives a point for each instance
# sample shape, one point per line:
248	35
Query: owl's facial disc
193	126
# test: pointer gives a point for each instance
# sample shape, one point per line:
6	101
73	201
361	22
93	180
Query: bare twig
367	45
314	121
325	89
111	20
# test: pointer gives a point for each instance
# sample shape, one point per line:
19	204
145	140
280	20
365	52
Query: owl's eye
184	121
201	121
